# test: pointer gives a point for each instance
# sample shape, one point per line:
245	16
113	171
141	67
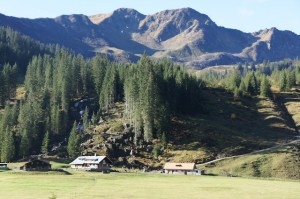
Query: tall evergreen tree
85	118
24	145
8	147
45	143
73	147
251	83
283	81
265	88
2	90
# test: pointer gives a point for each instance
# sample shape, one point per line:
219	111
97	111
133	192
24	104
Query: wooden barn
36	165
182	168
94	163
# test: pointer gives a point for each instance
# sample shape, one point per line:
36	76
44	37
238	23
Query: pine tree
149	104
94	119
99	70
283	81
242	88
85	118
291	79
24	145
73	147
251	83
235	80
236	93
265	88
2	90
45	143
8	147
13	82
164	139
14	114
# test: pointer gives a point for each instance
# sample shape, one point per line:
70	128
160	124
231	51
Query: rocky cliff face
183	35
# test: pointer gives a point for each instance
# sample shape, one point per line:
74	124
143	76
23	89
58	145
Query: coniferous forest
152	91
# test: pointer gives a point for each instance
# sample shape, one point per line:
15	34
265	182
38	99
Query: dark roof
36	160
3	163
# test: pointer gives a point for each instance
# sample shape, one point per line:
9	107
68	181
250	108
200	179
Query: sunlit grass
86	185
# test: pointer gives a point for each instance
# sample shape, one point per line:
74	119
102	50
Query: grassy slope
291	101
86	185
229	127
277	163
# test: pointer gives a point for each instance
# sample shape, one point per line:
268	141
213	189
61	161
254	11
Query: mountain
182	35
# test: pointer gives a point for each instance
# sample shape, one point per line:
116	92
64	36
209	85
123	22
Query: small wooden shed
36	165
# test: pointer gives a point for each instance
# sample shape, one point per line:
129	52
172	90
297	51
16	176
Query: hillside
231	127
184	36
281	163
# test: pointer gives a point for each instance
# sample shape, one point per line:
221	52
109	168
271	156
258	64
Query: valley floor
86	185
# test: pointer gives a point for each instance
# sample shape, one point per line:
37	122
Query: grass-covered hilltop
141	115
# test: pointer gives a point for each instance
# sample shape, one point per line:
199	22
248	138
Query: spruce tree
236	93
85	118
73	147
2	90
45	143
164	139
235	80
265	88
251	83
24	145
94	119
291	79
283	81
8	147
242	88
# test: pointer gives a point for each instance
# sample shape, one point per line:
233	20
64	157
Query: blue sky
246	15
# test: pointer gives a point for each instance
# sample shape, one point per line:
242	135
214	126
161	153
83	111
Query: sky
245	15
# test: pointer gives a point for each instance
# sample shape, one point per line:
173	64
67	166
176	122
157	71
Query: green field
85	185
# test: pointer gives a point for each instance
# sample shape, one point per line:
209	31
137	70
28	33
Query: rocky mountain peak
184	35
127	13
186	15
73	19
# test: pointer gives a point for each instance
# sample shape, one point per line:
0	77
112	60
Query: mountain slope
182	35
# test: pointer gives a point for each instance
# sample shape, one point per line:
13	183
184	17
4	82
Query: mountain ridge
182	35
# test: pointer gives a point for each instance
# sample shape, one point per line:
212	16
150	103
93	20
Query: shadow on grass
62	171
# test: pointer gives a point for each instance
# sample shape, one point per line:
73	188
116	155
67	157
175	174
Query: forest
153	92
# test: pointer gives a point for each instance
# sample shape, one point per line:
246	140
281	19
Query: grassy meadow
85	185
280	163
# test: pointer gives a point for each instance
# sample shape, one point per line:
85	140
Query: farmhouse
182	168
36	165
95	163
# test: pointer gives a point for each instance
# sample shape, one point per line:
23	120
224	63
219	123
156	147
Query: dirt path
254	152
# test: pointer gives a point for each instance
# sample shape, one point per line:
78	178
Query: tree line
251	80
18	49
